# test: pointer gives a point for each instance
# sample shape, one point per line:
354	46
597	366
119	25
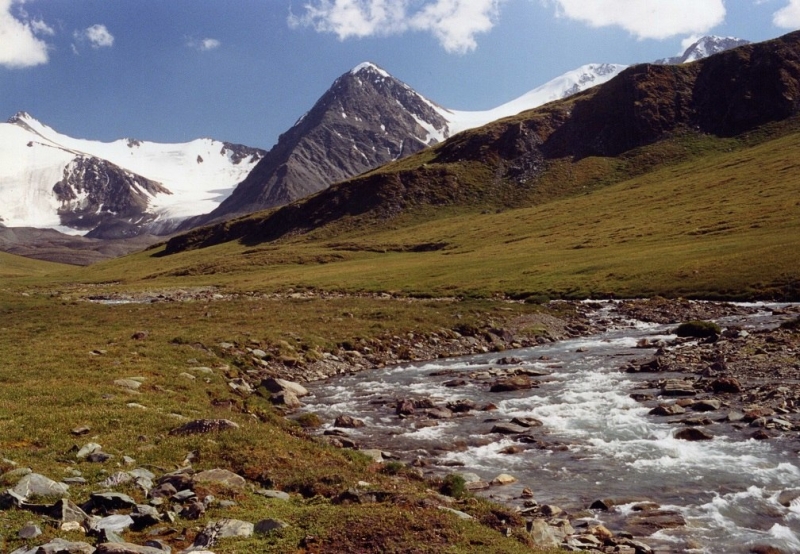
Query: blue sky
245	70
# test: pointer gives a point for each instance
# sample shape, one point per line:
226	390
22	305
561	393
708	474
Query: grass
723	224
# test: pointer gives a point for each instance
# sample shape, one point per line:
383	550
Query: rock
35	484
653	366
677	387
601	532
87	449
277	495
193	510
222	529
200	426
527	422
268	526
457	513
287	399
503	479
145	516
116	479
405	407
30	531
462	406
126	548
786	498
108	501
709	405
544	535
276	386
510	384
159	545
184	495
694	434
116	523
509	360
139	335
220	477
508	429
647	523
376	455
511	450
766	549
66	511
603	505
549	510
455	383
61	546
348	422
726	385
98	457
667	410
735	417
439	413
761	435
80	431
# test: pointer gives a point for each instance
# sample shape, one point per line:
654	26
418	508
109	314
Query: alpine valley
130	191
574	327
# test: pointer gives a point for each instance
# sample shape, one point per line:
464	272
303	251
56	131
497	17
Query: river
596	442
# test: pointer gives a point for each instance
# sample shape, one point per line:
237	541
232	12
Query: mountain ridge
641	106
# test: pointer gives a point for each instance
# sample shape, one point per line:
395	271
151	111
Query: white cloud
20	46
203	45
41	28
97	35
788	17
654	19
455	23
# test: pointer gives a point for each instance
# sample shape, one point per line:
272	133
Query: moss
698	329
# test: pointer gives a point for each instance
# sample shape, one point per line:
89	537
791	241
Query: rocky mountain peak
19	117
704	47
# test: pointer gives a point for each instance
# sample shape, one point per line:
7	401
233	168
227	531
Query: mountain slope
50	180
724	95
366	119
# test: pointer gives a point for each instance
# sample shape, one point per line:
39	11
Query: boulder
709	405
694	434
200	426
667	410
544	534
511	384
276	386
439	413
35	484
268	526
29	531
116	523
220	477
726	385
348	422
108	501
504	479
508	429
677	387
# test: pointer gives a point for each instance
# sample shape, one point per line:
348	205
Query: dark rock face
96	194
365	120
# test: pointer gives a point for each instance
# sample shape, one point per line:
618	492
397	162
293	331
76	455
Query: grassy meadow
702	218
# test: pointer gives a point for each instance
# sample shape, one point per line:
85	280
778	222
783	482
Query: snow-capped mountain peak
704	47
48	179
369	67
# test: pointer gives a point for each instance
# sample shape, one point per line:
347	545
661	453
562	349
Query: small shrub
454	485
698	329
393	468
309	421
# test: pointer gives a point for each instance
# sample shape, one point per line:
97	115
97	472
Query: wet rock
761	435
508	429
667	410
405	407
511	384
726	385
200	426
348	422
677	387
439	413
647	523
694	434
513	449
653	366
509	360
503	479
455	383
709	405
527	422
786	498
766	549
462	406
220	478
735	416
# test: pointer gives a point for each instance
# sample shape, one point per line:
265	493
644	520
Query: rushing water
596	442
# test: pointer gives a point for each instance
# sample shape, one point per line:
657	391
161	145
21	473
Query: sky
244	71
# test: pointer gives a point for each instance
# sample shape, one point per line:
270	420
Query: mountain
111	190
516	160
366	119
703	48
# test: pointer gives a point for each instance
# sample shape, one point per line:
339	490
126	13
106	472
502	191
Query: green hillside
17	266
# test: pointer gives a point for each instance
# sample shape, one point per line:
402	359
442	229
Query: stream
596	442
